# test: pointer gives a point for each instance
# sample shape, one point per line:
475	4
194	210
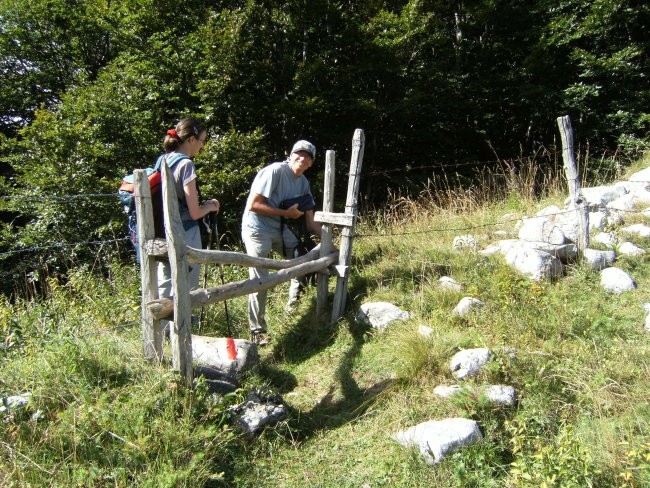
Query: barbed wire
59	198
482	226
61	245
72	337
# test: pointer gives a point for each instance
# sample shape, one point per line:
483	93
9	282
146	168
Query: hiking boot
291	305
261	338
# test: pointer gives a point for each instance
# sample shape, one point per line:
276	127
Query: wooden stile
179	254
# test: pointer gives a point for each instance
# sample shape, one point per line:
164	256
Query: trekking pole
205	272
214	231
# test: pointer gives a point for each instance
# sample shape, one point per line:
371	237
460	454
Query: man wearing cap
262	230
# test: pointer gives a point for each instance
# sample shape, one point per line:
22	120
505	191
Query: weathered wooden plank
203	256
335	218
164	307
322	289
347	234
181	330
151	331
577	200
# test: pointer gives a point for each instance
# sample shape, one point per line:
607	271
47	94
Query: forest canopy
89	88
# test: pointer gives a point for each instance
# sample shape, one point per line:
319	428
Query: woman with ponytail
181	144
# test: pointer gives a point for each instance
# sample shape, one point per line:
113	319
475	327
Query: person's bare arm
192	198
314	226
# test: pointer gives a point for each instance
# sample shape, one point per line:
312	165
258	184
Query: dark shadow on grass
352	402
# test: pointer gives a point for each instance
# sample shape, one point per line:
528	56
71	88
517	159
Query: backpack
299	228
126	193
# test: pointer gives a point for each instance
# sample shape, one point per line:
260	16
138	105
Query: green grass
102	416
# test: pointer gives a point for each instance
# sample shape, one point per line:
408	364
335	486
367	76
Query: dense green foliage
90	86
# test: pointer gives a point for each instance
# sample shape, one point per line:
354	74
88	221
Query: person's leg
164	289
296	285
259	245
193	239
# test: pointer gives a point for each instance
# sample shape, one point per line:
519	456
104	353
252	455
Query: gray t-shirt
184	172
276	182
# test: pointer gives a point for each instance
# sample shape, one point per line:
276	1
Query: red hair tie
172	132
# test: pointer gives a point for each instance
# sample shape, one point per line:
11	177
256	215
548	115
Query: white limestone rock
215	353
425	331
469	362
536	265
448	283
436	439
379	315
466	242
624	203
466	305
617	281
260	408
629	249
14	402
640	230
598	260
600	196
606	238
542	228
639	180
503	395
447	391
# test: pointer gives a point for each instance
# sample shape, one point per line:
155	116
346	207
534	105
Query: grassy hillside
101	416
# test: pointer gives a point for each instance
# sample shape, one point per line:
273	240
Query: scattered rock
436	439
536	265
630	249
447	391
449	283
616	280
227	356
379	314
606	238
466	305
641	230
500	394
425	331
260	408
466	242
469	362
15	402
598	260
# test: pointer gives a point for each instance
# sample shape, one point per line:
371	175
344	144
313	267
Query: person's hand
293	212
214	205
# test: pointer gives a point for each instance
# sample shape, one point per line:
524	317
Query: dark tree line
89	88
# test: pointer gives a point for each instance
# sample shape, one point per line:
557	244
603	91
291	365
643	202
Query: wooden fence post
151	331
347	234
181	329
326	234
578	202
